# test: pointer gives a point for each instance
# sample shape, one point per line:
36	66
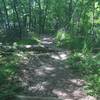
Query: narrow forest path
46	76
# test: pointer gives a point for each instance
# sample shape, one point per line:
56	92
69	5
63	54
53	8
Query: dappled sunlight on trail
48	75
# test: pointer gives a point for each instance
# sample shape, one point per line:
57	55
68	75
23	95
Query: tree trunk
40	17
18	19
70	14
30	17
7	16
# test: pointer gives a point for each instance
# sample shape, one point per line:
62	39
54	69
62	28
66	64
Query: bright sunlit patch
48	68
46	42
55	57
63	56
28	46
46	39
78	82
61	94
60	56
37	87
40	86
78	94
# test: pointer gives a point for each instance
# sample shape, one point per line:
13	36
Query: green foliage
66	40
63	38
20	19
8	69
27	42
93	84
31	40
88	66
84	63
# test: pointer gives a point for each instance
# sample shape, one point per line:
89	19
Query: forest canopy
79	17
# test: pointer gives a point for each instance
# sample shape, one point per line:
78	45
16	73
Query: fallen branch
37	48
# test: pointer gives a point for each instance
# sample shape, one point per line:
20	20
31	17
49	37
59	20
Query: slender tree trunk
40	17
7	16
30	16
79	17
93	16
18	19
35	23
44	16
14	26
1	19
93	22
70	15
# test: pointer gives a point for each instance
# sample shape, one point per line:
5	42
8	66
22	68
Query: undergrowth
84	60
8	74
87	65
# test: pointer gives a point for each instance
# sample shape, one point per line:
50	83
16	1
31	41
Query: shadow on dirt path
48	75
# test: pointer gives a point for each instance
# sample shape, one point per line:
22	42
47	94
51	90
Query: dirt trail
48	75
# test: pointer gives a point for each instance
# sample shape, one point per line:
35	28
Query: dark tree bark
70	14
40	17
7	16
30	14
93	11
1	20
44	15
18	19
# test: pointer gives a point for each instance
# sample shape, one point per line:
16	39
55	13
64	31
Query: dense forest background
79	18
75	24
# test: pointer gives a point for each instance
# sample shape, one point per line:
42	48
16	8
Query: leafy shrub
27	41
8	69
31	40
87	65
66	40
93	84
63	38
